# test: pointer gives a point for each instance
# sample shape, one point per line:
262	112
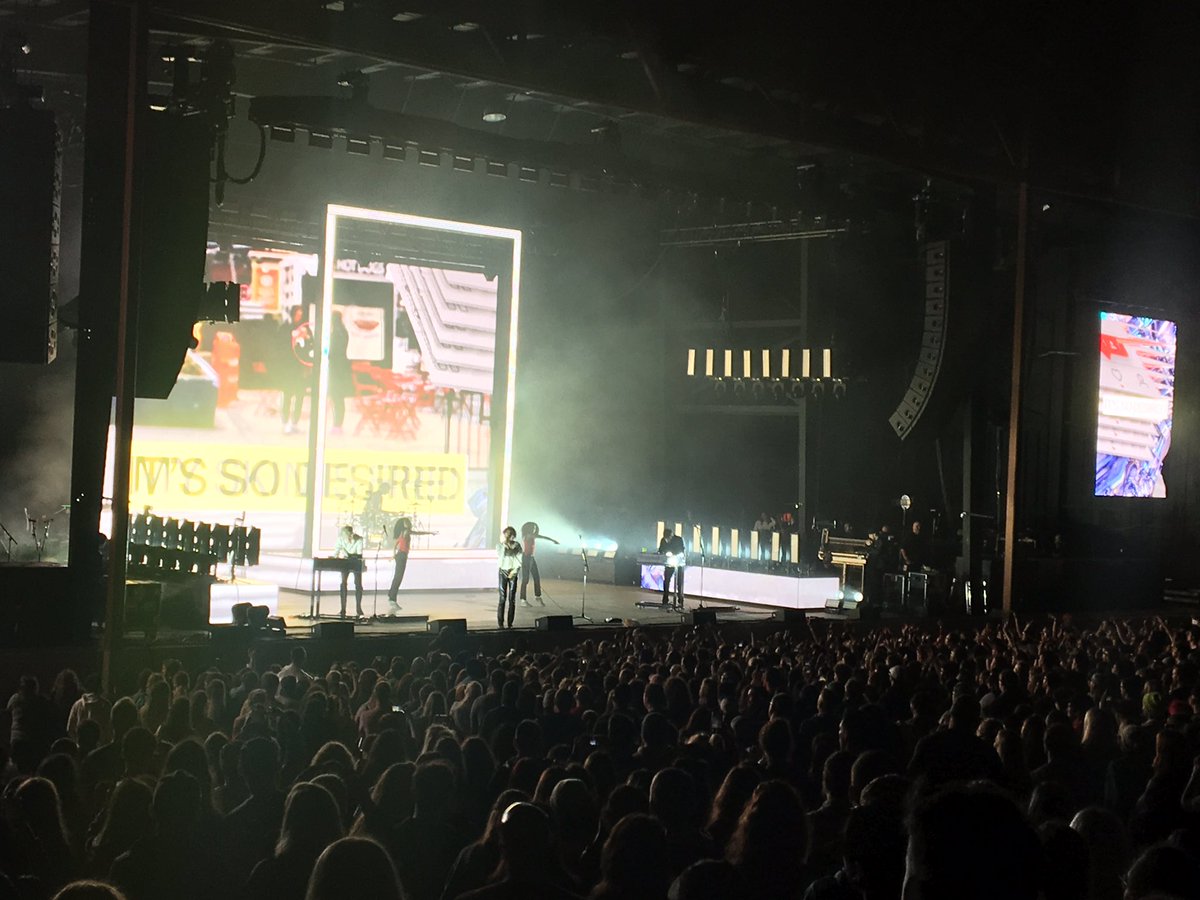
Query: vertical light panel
827	363
775	546
805	363
333	214
679	529
662	526
733	542
745	363
691	361
785	364
754	544
794	549
696	538
728	363
714	545
708	362
766	358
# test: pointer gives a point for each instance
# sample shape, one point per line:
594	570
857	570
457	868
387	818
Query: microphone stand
9	541
583	607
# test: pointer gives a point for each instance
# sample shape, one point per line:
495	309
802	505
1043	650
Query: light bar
805	363
827	363
708	362
728	363
691	370
766	357
746	364
785	366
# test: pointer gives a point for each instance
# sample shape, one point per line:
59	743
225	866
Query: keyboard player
350	546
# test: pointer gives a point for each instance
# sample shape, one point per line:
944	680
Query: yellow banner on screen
181	475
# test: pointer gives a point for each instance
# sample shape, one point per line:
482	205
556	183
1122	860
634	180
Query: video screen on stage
1137	392
357	393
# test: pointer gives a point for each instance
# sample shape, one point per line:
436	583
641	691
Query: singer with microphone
509	552
350	546
530	535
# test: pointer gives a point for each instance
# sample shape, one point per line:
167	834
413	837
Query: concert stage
478	607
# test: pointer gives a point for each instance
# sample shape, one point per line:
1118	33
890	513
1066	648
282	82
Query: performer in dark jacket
672	547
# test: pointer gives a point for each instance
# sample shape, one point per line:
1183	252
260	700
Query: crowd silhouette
1037	759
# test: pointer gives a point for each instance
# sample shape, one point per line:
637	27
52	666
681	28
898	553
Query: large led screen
1137	390
353	393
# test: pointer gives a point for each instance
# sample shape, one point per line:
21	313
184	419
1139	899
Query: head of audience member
311	822
1163	871
259	765
176	807
356	861
634	862
525	842
954	839
433	791
89	890
772	836
709	879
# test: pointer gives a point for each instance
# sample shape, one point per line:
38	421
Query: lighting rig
767	374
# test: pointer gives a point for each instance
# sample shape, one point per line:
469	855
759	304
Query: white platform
428	570
758	588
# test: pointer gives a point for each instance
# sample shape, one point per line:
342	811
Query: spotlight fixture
778	391
817	389
757	388
739	387
719	387
839	388
494	116
798	390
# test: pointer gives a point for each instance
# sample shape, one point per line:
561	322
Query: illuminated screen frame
1144	360
334	213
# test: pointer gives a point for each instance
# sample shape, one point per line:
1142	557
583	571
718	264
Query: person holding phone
509	552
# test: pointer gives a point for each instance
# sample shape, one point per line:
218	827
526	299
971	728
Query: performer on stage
402	532
530	535
350	546
914	549
672	546
510	568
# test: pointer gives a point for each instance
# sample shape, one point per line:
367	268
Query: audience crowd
823	762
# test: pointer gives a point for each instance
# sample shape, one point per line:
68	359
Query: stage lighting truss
768	374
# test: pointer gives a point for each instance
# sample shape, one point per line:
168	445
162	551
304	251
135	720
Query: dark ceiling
1096	102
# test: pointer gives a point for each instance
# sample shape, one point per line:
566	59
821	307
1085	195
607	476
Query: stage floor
604	602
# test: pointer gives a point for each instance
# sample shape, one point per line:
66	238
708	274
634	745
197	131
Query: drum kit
363	511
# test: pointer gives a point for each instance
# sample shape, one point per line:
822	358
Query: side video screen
1137	393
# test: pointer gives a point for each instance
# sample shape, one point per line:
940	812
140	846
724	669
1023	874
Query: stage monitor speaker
704	617
30	195
241	613
437	626
334	631
277	623
789	615
229	635
833	603
554	623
